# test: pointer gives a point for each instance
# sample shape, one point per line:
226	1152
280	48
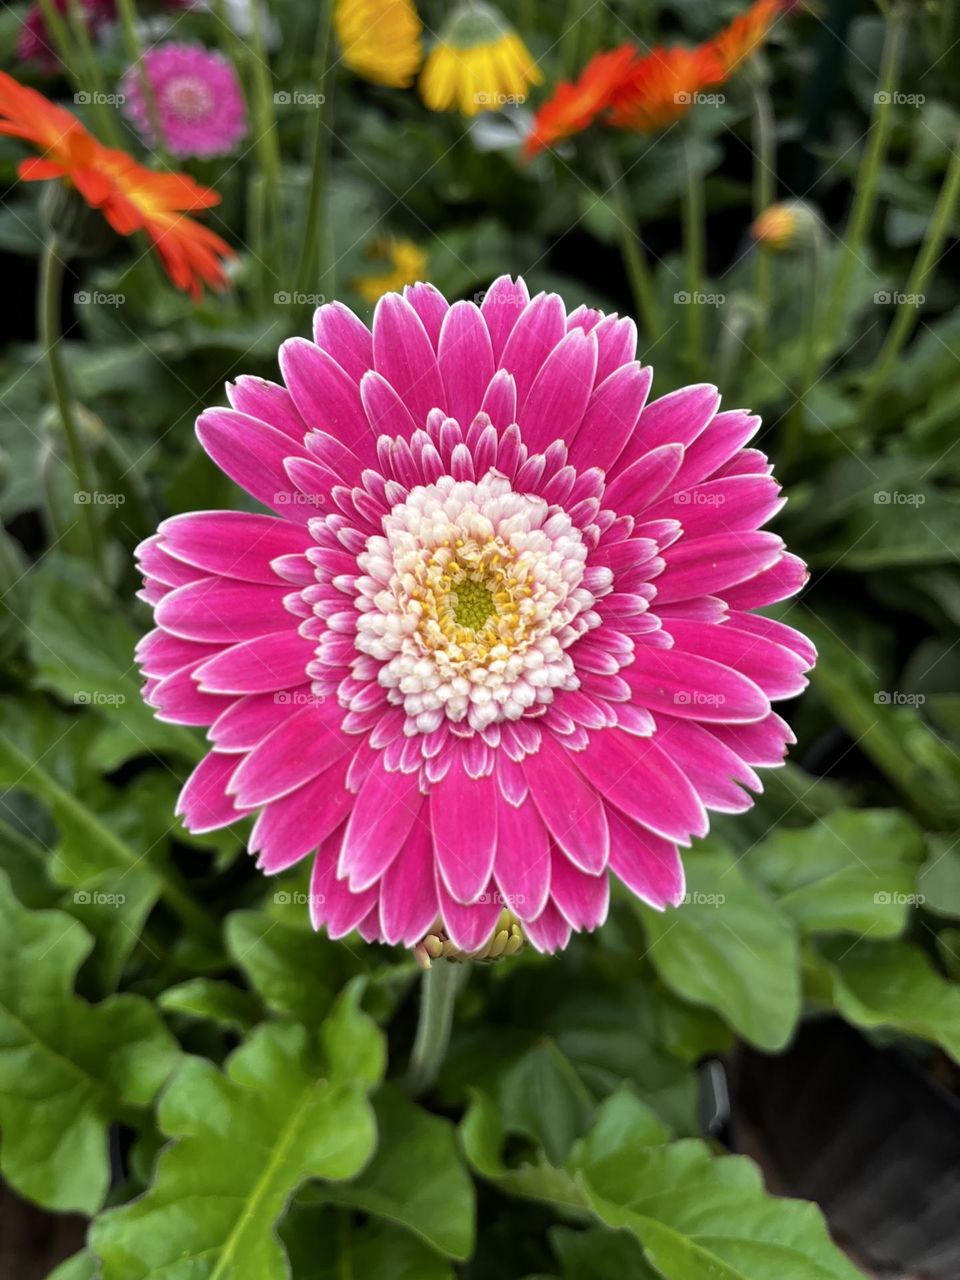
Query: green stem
865	192
694	254
441	982
94	85
929	254
48	314
131	40
797	420
269	141
314	225
764	188
631	248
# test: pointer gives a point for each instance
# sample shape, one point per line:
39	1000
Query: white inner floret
469	598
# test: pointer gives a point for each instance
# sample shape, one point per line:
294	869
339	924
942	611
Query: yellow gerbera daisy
380	39
408	264
478	64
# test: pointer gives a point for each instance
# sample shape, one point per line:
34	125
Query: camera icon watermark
96	298
698	698
297	898
885	899
699	299
897	498
96	898
96	698
885	99
295	298
897	698
297	98
697	99
86	98
888	297
86	498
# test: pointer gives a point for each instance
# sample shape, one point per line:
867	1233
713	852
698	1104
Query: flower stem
440	985
315	221
631	247
694	254
764	188
48	316
865	191
131	40
929	254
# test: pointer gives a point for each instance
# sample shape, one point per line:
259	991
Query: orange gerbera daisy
574	106
664	84
131	197
744	35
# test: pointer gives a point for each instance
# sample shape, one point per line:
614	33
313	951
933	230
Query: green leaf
294	969
375	1249
213	1001
697	1214
245	1140
82	1266
110	845
82	648
940	879
416	1179
597	1254
484	1137
542	1097
729	947
68	1068
875	984
853	871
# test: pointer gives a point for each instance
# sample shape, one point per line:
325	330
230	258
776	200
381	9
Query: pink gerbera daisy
497	641
199	102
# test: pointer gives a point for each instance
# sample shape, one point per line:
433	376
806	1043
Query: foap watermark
298	98
894	899
699	498
297	299
894	298
96	298
298	698
96	898
898	498
698	698
502	298
297	898
97	498
93	98
699	299
686	99
897	698
697	899
294	498
897	99
97	698
497	100
499	899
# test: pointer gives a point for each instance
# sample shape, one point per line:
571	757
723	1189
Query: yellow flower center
473	603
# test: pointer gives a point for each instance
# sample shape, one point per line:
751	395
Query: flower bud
791	224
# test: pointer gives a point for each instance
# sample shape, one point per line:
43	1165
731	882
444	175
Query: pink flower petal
233	544
561	391
522	867
262	665
404	355
384	813
306	743
463	815
408	894
573	812
466	361
204	804
648	865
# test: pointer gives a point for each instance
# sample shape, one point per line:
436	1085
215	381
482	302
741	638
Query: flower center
188	98
469	600
473	603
